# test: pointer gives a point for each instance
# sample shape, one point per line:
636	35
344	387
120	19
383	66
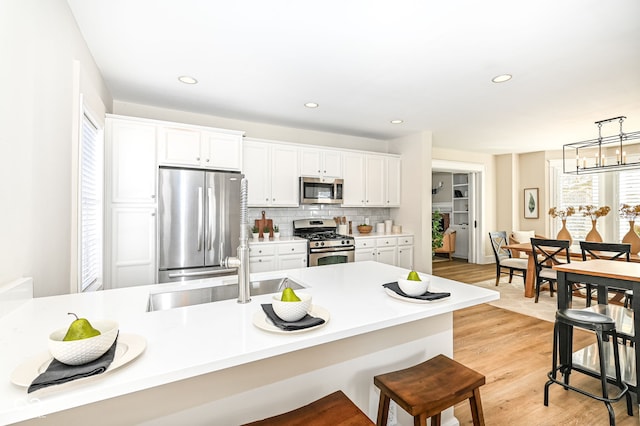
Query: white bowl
414	288
77	352
291	311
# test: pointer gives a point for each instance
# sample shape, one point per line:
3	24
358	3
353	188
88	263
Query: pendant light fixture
604	154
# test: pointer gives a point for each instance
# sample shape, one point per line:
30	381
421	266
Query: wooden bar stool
427	389
332	410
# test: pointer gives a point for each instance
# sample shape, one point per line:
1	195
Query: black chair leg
510	275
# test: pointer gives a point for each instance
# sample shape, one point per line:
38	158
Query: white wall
415	213
39	42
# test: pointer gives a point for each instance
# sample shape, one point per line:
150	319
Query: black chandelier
604	154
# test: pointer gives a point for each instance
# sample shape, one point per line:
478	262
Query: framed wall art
531	203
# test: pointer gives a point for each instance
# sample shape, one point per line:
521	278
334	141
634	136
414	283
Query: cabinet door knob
153	214
207	160
153	195
266	199
198	158
292	249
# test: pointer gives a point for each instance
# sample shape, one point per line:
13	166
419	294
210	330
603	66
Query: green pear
413	276
79	329
288	295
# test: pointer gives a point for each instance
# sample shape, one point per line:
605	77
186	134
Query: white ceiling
367	62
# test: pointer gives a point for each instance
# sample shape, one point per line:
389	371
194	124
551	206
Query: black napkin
58	373
306	321
427	296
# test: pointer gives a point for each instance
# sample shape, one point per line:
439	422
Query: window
90	235
611	189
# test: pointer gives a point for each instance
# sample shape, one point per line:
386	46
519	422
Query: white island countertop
200	339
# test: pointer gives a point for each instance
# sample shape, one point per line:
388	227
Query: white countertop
381	235
191	341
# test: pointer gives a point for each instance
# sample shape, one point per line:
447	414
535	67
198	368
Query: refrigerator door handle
200	218
210	217
201	274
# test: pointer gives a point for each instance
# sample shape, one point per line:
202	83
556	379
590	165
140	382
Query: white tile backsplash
284	216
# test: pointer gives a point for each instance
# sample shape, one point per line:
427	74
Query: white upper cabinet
393	181
272	173
131	151
375	182
320	163
184	146
353	190
371	180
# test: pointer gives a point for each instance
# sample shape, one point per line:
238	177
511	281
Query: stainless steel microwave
320	191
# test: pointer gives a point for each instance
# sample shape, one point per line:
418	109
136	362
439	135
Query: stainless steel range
325	247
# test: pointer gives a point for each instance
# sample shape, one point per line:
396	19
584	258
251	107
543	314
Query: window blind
90	204
577	191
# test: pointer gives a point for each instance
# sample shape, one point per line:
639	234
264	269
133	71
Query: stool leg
435	420
603	376
476	408
383	410
619	374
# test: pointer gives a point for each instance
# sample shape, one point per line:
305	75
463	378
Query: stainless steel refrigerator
198	223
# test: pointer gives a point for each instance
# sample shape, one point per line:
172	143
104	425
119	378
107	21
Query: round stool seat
589	320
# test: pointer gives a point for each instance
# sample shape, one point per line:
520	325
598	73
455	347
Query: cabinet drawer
262	249
365	243
405	241
292	248
386	242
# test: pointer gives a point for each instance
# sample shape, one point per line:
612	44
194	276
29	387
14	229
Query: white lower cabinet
396	251
133	252
274	256
405	252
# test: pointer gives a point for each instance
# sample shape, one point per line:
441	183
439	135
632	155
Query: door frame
477	207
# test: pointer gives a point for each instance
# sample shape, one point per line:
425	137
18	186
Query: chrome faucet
241	262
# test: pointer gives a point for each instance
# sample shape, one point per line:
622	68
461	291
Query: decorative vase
564	234
632	238
593	235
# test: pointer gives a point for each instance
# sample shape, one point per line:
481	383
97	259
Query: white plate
128	348
261	321
411	299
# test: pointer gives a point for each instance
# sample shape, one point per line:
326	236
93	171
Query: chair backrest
547	253
498	241
608	251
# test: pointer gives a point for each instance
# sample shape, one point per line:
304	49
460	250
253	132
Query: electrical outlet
392	418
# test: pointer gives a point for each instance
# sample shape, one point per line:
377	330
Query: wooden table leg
529	285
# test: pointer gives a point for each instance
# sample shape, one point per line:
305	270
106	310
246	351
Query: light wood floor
513	351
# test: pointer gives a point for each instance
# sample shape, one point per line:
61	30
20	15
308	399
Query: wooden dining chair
607	251
547	253
505	262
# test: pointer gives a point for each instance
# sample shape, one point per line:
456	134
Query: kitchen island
209	364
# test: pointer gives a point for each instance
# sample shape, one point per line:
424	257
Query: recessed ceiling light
397	121
502	78
311	105
187	79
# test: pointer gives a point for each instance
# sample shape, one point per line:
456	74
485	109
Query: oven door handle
331	249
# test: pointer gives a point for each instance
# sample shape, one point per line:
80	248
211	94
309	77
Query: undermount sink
196	296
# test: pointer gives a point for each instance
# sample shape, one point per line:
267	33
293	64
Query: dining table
602	274
575	253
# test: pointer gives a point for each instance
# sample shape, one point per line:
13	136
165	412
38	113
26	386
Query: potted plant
256	232
276	232
265	232
437	233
